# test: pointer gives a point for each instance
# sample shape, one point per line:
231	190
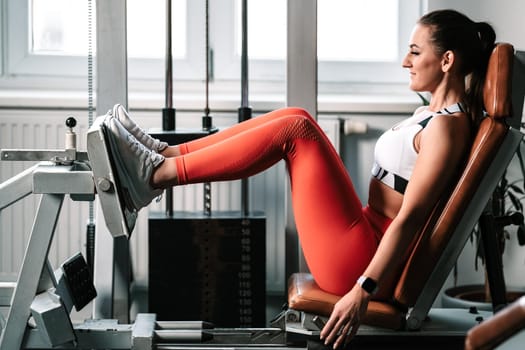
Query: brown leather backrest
498	82
440	226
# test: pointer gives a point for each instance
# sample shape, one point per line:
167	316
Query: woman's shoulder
454	120
455	127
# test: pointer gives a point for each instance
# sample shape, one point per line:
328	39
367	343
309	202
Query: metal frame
301	90
441	322
34	275
112	87
38	294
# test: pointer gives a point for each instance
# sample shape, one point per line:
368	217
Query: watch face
369	285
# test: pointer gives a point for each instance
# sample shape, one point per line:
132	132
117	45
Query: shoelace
137	147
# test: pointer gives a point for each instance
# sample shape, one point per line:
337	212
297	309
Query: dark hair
472	42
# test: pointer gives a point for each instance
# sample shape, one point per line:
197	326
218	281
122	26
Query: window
59	27
28	55
55	33
341	25
358	41
2	48
49	38
370	39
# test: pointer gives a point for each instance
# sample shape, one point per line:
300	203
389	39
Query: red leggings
338	236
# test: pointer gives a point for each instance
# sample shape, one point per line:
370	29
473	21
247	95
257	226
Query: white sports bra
395	154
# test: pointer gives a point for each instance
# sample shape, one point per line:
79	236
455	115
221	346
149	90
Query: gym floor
369	339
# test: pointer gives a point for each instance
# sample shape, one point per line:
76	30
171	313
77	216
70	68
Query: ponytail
474	93
472	42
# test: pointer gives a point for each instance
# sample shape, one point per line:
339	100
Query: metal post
169	123
207	119
493	263
31	270
168	112
301	90
245	112
112	88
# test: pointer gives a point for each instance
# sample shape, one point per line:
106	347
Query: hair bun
486	35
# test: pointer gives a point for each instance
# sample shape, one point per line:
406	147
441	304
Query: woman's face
422	62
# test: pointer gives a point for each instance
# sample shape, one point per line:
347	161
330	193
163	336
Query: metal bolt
103	184
413	323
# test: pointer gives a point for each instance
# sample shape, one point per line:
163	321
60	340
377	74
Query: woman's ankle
165	175
171	151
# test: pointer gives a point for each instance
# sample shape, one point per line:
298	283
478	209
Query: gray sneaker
122	115
134	165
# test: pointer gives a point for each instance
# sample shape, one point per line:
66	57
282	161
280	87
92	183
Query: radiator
24	129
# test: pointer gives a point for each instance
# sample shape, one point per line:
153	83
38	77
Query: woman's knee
298	111
291	112
295	123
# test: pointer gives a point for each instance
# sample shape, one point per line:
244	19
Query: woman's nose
406	62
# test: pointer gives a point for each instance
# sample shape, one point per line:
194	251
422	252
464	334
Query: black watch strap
368	284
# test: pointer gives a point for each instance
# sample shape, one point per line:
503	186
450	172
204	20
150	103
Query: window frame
18	61
377	72
3	38
328	71
22	62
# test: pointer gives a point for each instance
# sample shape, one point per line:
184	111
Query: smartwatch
368	284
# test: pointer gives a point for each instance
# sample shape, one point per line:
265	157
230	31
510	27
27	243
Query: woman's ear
447	61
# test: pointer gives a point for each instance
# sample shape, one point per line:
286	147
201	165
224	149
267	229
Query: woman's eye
414	53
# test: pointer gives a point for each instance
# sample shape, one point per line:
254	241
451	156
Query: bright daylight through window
60	27
357	40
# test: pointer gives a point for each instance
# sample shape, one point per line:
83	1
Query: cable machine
220	256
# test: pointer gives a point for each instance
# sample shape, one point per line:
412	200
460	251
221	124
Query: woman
349	249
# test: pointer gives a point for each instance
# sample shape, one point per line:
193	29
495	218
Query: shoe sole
120	221
120	169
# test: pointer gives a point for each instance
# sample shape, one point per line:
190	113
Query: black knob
71	122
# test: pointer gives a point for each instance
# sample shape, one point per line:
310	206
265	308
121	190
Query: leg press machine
41	300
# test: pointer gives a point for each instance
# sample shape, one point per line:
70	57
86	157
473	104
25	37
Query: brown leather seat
404	288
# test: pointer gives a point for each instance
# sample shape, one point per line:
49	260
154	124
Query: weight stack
208	268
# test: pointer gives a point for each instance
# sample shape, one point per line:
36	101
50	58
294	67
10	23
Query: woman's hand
346	317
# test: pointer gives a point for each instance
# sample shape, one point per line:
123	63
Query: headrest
498	82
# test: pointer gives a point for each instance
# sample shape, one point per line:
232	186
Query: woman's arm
442	145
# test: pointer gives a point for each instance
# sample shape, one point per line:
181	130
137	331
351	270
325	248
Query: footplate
120	221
